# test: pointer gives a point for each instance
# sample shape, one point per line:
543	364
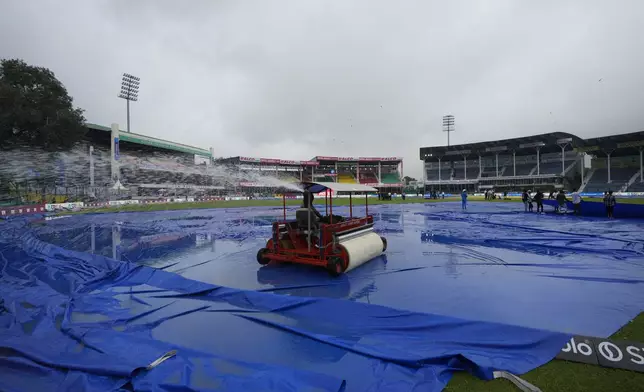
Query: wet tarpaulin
597	208
576	275
579	275
404	321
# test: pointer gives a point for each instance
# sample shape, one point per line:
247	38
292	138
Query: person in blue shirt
464	199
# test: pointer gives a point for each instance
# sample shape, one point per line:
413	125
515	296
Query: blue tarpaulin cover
88	302
595	207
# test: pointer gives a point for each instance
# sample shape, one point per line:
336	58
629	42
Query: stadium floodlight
448	125
129	92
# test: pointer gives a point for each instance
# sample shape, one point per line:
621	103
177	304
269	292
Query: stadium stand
598	182
390	178
325	178
436	175
254	173
522	170
619	178
549	168
511	164
637	186
385	173
346	178
459	173
368	178
128	165
616	160
287	176
143	166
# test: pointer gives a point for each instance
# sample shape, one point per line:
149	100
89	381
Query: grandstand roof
625	144
152	141
357	159
547	142
267	161
315	161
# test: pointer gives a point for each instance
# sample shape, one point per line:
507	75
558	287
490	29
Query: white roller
362	249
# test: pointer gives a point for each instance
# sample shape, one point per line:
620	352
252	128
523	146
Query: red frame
300	253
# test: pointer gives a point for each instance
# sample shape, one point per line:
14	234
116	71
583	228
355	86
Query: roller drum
358	250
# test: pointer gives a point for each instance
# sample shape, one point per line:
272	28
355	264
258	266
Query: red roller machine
336	243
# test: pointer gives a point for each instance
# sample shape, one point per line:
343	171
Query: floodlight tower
129	92
448	125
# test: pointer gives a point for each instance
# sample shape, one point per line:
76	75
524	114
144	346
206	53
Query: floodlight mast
448	125
129	92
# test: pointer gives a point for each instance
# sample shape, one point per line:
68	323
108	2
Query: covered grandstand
385	173
617	163
261	176
110	164
550	161
145	166
255	173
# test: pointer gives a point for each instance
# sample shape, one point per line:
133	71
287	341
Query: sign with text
460	152
381	159
639	143
26	209
122	202
248	167
529	145
359	159
381	185
322	175
117	153
64	206
587	149
496	149
251	184
248	159
180	186
618	354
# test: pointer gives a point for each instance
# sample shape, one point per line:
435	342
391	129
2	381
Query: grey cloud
294	79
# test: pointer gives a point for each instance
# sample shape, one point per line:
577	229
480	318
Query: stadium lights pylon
448	125
129	92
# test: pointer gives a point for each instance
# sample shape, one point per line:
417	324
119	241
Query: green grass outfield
554	376
358	201
567	376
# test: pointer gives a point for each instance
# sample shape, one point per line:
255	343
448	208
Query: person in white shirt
576	202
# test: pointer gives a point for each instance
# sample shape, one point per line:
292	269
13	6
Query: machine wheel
335	266
261	259
384	243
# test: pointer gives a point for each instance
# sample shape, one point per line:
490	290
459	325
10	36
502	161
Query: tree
35	109
408	179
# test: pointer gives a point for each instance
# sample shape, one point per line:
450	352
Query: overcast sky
295	79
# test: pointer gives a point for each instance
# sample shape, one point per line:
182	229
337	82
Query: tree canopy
408	179
35	109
